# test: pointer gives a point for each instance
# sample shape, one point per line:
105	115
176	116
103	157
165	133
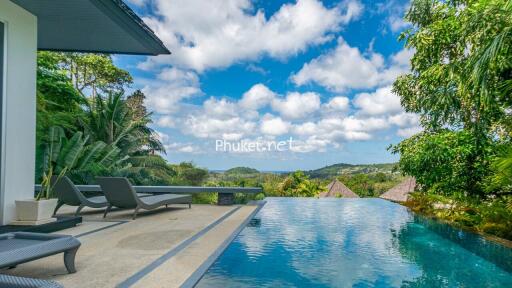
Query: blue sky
318	72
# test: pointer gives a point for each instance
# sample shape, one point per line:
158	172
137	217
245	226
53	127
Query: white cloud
336	130
204	126
188	149
404	119
170	87
166	121
274	126
397	23
205	34
257	97
382	101
346	67
408	132
311	144
337	104
176	146
297	105
222	108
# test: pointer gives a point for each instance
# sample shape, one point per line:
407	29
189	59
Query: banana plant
60	155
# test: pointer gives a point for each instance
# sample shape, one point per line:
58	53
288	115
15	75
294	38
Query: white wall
19	108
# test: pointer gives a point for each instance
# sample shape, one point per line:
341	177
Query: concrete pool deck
163	248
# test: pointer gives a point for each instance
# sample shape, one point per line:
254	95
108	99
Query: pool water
301	242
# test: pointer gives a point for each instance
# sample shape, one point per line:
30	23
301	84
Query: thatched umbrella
400	192
338	189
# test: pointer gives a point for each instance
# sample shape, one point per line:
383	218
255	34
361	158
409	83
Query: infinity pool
302	242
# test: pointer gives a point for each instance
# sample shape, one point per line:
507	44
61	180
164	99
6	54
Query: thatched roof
400	192
338	189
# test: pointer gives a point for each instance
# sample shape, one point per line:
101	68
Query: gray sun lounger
120	193
67	193
9	281
22	247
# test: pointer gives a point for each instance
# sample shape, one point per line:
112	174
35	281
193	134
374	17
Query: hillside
241	170
350	169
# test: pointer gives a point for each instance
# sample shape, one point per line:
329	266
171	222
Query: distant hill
241	170
344	168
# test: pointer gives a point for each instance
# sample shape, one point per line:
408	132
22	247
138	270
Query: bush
446	162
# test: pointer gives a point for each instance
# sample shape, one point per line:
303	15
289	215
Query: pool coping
134	278
196	276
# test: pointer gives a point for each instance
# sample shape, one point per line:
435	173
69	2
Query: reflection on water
348	243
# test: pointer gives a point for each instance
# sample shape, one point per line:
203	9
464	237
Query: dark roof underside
104	26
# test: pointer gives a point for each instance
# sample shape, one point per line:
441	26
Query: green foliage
241	170
445	161
188	174
371	184
492	216
460	84
297	184
346	169
73	156
500	180
112	122
94	72
461	68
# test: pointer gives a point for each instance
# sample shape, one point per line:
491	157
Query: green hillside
350	169
241	170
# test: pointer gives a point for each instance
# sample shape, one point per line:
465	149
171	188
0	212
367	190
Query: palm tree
114	122
111	121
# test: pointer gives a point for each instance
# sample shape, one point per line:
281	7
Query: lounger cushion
98	200
166	199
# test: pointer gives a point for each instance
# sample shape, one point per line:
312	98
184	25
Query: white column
18	109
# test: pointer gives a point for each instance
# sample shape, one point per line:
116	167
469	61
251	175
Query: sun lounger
120	193
67	193
22	247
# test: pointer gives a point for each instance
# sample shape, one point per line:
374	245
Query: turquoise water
355	243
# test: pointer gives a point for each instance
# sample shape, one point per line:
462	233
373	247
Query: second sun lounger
120	193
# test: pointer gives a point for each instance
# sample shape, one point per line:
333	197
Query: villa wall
18	108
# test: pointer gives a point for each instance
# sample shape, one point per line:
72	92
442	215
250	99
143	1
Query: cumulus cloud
311	144
204	126
408	132
226	33
166	121
223	108
336	130
405	119
170	87
382	101
345	67
257	97
337	104
176	146
297	105
274	126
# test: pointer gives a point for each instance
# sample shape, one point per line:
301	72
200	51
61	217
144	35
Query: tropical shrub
297	184
445	161
74	157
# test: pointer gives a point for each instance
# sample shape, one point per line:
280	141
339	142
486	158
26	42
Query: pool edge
196	276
